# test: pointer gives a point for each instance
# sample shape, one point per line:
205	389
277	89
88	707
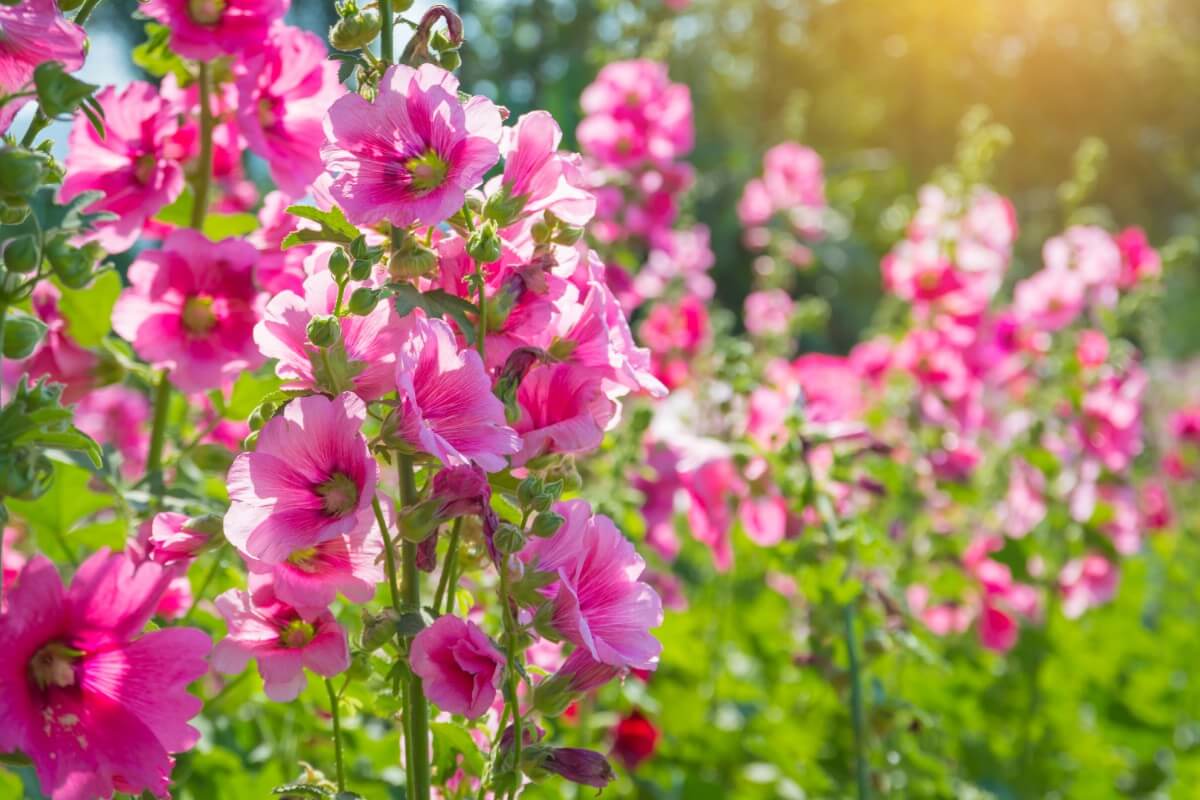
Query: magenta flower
283	93
446	406
310	480
191	309
310	578
1111	425
460	665
60	357
34	31
280	639
97	706
636	115
537	177
170	540
410	156
117	416
369	343
206	29
136	164
600	604
1139	261
564	409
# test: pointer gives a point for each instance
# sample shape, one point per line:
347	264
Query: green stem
387	50
337	735
36	126
209	577
204	171
448	567
418	708
85	11
3	316
481	334
158	433
510	672
389	553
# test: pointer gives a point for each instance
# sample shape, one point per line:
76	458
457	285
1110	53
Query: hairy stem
510	672
417	718
158	434
337	735
389	553
387	49
445	583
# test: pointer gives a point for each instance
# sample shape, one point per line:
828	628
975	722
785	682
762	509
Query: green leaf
180	211
436	303
156	57
53	516
223	226
333	219
72	439
249	390
302	790
89	311
450	740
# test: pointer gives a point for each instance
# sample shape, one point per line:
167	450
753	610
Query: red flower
636	739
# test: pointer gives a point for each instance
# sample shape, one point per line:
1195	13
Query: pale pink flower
768	313
279	269
1111	425
411	155
755	206
635	114
117	416
367	346
1089	252
446	406
1085	583
207	29
679	256
35	31
1050	299
96	705
600	604
170	540
537	176
1025	503
564	409
191	309
311	577
831	388
942	619
59	357
792	174
1091	349
136	164
280	639
764	518
460	665
284	91
310	479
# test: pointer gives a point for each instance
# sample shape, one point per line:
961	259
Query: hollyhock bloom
831	387
764	519
365	357
310	480
1139	260
755	206
1085	583
460	665
1111	424
635	114
681	255
35	31
12	561
310	578
599	604
117	416
675	333
768	313
283	93
136	164
171	540
1122	522
792	175
206	29
58	356
446	406
280	639
1050	299
634	739
191	309
576	764
1089	253
563	409
942	619
410	156
1091	349
1155	505
998	629
279	269
709	488
1025	504
96	705
537	177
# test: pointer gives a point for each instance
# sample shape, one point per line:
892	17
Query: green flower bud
22	335
250	441
21	171
13	213
360	270
449	60
339	263
411	260
22	254
440	41
541	232
484	243
363	301
25	473
503	208
528	489
542	502
378	629
547	524
355	31
358	247
568	236
324	331
509	538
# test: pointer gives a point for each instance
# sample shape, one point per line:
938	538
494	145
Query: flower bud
543	501
568	236
21	171
358	247
378	629
21	254
324	330
250	441
360	667
71	266
484	243
411	260
541	232
585	767
360	270
22	334
528	489
503	208
355	31
339	263
547	524
363	301
25	473
59	93
509	538
13	212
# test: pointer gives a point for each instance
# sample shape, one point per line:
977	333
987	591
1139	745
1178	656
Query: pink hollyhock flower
279	269
764	519
446	406
1123	523
768	313
766	416
12	561
410	156
460	665
792	174
998	629
1025	503
136	164
168	540
870	359
191	309
942	619
310	578
206	29
634	114
564	409
599	603
309	480
283	93
675	335
97	706
1091	349
1155	505
537	176
683	256
709	489
365	357
1139	260
1089	253
58	356
1050	299
755	206
117	416
280	639
35	31
1111	424
1085	583
831	388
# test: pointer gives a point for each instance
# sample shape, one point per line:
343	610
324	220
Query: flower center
143	168
427	171
298	633
340	495
54	665
198	316
206	12
266	113
304	560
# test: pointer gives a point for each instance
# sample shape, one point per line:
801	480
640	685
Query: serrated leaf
333	219
88	311
436	303
73	439
302	790
155	55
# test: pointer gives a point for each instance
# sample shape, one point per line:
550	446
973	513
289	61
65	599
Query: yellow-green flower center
339	493
305	559
427	171
198	316
298	633
206	12
54	665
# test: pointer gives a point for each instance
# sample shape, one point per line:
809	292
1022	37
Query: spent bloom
309	480
207	29
460	665
34	31
95	704
191	309
411	155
